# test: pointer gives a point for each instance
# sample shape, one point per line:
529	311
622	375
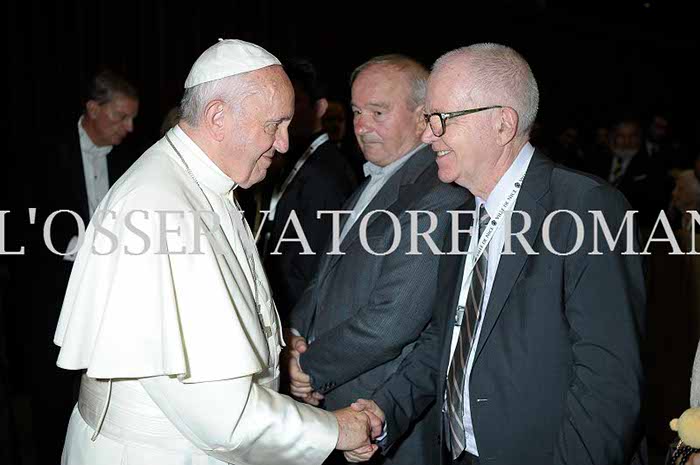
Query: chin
447	178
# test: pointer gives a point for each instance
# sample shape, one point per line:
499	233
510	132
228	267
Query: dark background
591	59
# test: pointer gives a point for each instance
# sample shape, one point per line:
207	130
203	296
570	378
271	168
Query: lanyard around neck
484	240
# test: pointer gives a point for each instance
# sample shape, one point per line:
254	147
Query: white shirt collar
504	185
370	168
203	168
87	146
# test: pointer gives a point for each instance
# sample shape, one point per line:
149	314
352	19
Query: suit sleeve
240	422
397	311
411	390
604	305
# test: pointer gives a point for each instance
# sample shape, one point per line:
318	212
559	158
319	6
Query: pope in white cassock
168	308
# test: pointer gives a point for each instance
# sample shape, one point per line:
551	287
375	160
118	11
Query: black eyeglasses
436	121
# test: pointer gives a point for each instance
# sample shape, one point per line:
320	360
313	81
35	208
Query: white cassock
177	329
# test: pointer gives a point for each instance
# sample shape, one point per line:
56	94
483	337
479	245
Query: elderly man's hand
376	414
353	429
376	420
300	382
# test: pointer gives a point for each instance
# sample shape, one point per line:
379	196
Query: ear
419	119
213	122
320	107
92	108
506	125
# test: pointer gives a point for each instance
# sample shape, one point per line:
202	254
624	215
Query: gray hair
501	77
416	73
231	90
105	84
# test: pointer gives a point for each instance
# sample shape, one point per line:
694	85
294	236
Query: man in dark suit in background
77	167
370	300
628	166
317	178
535	343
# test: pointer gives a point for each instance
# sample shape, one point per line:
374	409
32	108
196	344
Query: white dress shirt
380	176
94	168
495	246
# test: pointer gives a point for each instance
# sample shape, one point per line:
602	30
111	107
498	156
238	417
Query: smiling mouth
442	153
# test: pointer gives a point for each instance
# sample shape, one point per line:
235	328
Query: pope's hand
354	429
361	454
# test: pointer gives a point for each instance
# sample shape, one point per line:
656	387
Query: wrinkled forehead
271	87
278	94
279	86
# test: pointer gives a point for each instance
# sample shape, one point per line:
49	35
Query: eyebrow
279	120
381	106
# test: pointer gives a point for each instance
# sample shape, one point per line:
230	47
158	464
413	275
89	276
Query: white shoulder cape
138	312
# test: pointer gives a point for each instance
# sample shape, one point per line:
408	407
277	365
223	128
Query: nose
362	124
281	141
129	125
428	137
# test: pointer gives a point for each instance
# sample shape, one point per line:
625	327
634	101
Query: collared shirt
380	176
495	246
619	166
94	168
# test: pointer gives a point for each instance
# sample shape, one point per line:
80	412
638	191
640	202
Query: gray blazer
366	311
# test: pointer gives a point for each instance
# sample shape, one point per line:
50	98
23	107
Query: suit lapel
327	261
399	184
535	184
352	201
387	196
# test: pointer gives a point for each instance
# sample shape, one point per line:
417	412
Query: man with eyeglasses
370	301
536	353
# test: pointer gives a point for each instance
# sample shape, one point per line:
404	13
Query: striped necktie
458	369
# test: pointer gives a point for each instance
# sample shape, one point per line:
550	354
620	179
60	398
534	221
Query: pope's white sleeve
240	422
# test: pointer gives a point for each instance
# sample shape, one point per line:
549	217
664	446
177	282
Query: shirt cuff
385	433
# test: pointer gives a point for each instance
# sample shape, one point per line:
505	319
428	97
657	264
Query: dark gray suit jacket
365	311
557	376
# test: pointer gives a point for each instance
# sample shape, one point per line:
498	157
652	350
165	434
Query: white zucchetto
228	58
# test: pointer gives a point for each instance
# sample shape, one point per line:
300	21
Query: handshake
358	425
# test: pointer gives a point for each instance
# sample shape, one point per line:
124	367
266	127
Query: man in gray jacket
372	294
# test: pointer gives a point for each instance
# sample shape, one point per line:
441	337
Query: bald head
492	74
